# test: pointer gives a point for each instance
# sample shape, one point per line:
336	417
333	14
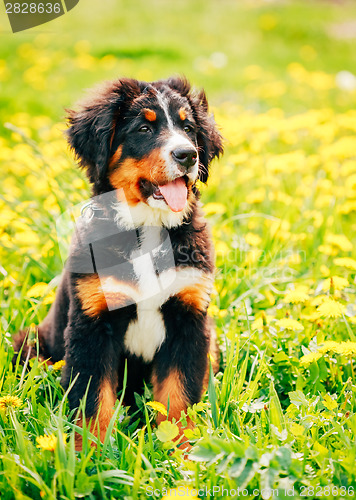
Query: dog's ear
180	84
92	126
210	142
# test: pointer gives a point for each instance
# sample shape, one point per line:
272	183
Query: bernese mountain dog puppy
136	287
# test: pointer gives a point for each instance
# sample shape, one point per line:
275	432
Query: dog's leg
92	357
181	364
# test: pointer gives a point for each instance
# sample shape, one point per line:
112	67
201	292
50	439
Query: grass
280	414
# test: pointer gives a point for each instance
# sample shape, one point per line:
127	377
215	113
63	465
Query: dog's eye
187	129
144	129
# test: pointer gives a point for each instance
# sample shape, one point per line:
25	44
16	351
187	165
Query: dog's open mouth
174	193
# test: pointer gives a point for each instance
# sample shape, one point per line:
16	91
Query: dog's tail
28	344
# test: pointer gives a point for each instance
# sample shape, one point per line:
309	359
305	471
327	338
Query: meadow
279	418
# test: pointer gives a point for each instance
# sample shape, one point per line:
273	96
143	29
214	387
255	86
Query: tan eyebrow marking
150	115
182	114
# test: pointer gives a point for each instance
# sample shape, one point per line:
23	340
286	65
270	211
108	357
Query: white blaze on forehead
163	102
176	139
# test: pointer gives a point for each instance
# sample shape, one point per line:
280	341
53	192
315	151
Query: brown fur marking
106	409
172	388
97	295
98	425
182	114
115	157
152	168
150	115
197	296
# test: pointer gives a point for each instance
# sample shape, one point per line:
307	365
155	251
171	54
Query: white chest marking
146	334
155	213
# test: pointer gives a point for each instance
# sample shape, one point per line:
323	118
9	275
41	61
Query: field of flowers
279	418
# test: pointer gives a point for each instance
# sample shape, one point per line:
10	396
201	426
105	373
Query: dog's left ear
92	126
209	139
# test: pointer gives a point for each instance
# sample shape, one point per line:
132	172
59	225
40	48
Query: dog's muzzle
185	157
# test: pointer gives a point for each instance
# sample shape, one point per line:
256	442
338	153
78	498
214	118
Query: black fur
93	346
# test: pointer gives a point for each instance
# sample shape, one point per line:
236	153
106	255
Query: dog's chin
158	203
150	211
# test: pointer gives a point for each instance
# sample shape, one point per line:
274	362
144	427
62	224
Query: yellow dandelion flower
340	241
157	406
296	296
38	290
56	367
297	429
346	348
214	208
320	299
331	309
7	402
342	148
328	346
336	282
295	259
347	207
222	249
263	320
28	237
327	249
290	324
47	247
48	443
256	196
325	271
269	296
307	359
253	239
49	299
320	448
252	256
286	162
78	184
51	205
313	317
346	262
213	310
329	402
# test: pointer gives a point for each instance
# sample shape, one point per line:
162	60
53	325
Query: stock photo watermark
330	491
26	15
99	236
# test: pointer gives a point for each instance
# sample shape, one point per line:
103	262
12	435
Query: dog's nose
185	157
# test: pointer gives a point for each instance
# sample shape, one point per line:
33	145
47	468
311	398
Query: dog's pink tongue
175	193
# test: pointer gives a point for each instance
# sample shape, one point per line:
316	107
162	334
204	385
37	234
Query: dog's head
153	140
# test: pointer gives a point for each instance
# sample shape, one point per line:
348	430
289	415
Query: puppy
136	287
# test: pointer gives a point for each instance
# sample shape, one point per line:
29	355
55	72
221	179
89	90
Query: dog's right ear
92	126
